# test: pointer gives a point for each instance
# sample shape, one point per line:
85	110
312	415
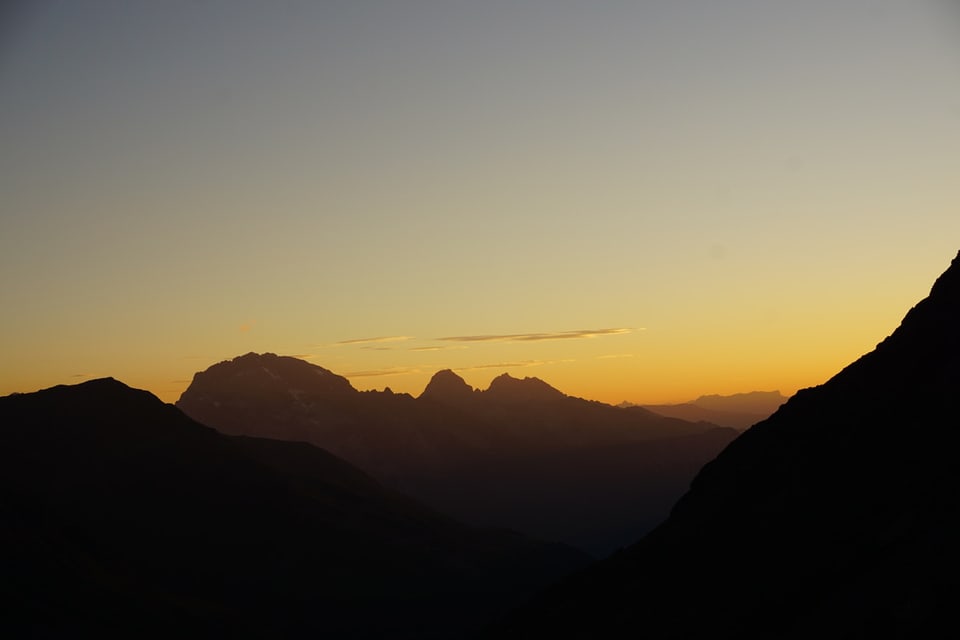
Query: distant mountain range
520	454
122	517
739	411
837	517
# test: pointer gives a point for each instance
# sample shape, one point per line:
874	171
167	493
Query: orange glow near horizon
484	187
609	365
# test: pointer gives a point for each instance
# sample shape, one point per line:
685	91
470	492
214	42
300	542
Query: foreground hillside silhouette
837	517
120	516
520	454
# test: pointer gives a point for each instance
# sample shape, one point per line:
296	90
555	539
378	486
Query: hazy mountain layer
519	454
740	410
837	517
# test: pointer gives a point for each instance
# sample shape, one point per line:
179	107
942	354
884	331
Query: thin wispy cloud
376	339
536	337
392	371
444	348
512	365
502	365
617	355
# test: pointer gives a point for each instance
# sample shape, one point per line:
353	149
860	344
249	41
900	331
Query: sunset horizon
412	380
639	202
504	319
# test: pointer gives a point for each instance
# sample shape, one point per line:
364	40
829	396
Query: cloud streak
502	365
512	365
376	339
536	337
392	371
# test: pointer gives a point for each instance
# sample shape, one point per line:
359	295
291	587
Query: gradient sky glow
640	201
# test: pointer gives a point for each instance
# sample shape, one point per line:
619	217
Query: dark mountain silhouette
506	389
520	454
837	517
740	410
121	516
448	388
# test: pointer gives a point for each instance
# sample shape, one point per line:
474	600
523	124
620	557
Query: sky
641	201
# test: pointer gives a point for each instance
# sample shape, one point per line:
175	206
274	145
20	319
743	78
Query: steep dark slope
837	517
520	454
122	516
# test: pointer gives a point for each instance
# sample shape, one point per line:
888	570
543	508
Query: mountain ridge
453	446
835	516
122	516
447	387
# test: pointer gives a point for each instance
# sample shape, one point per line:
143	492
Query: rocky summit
520	454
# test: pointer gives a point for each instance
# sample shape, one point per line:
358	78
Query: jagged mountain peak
236	395
253	371
457	448
289	365
447	386
506	387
